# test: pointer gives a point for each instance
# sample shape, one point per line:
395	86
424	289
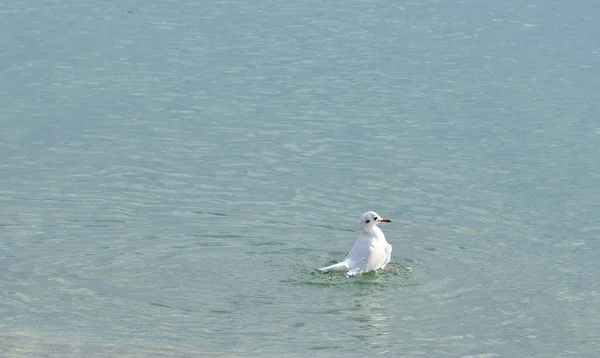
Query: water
172	174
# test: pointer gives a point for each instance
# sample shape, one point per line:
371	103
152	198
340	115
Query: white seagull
370	252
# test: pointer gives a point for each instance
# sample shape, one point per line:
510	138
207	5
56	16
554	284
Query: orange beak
384	220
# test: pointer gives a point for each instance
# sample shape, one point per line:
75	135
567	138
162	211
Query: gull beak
384	220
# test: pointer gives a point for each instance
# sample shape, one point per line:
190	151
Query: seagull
370	252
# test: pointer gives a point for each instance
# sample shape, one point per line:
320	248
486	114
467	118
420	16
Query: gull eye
375	218
367	221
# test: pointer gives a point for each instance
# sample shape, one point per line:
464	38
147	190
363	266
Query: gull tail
339	266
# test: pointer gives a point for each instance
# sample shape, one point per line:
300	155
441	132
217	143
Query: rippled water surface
172	174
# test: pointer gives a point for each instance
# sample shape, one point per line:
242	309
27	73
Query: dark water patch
227	312
211	244
269	243
299	250
110	221
181	247
219	236
151	237
162	305
324	348
208	213
159	305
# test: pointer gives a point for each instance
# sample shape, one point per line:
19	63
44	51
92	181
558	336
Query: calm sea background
172	174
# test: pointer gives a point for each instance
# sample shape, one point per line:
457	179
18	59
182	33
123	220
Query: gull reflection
371	315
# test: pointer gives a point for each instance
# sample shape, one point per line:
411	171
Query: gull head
370	219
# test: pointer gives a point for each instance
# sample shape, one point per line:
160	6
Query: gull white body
370	252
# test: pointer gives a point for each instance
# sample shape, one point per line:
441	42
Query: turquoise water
173	174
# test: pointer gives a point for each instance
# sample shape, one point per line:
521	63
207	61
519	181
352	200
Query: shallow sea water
172	176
